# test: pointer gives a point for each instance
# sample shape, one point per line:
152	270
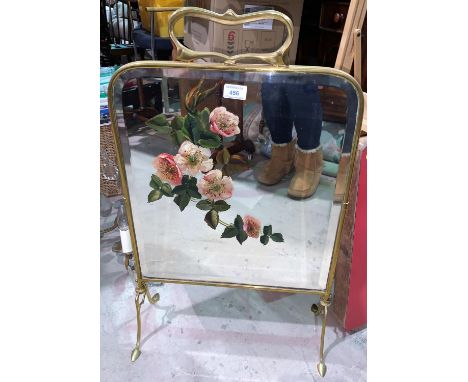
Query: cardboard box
258	37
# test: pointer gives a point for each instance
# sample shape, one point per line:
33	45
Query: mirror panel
197	146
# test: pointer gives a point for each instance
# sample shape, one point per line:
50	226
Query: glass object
122	223
211	198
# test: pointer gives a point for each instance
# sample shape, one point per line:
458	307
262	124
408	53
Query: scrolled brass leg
152	299
321	367
141	291
139	301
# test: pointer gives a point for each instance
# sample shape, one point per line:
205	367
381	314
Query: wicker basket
109	174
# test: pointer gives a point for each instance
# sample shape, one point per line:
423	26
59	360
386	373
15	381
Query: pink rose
252	226
167	169
223	122
192	158
215	186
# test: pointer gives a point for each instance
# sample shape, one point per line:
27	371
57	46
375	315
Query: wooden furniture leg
354	20
357	56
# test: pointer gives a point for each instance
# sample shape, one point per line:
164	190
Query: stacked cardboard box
257	37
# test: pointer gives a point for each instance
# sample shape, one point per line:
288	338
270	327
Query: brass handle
231	18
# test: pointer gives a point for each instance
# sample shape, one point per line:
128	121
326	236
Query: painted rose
223	122
192	158
215	186
252	226
166	169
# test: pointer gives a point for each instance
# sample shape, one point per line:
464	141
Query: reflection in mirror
236	177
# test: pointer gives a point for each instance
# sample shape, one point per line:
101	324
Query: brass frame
142	281
231	18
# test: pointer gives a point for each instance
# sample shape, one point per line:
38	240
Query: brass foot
322	368
135	354
323	309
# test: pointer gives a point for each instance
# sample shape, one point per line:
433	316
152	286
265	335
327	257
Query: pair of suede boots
308	165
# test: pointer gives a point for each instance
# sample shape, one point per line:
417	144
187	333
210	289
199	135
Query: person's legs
279	121
277	113
304	103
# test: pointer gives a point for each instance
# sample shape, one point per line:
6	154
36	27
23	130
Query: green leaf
229	232
241	237
156	180
182	201
239	223
154	195
174	137
194	193
161	129
204	205
277	237
264	239
212	219
205	118
207	134
221	205
180	189
159	123
209	139
187	130
209	143
154	185
192	182
166	189
177	123
158	120
267	230
179	137
195	126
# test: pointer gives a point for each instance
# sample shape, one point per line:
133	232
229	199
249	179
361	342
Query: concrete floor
203	334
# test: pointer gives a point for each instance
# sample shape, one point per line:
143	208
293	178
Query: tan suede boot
309	165
343	168
280	164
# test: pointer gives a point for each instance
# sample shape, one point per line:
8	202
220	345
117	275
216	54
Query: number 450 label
235	91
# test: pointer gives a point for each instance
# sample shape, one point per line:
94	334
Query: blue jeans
293	100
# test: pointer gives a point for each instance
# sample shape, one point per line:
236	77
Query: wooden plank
354	20
357	56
